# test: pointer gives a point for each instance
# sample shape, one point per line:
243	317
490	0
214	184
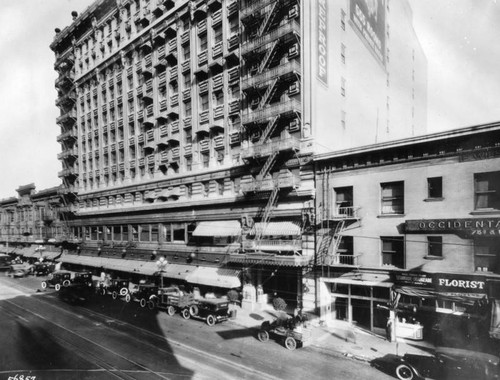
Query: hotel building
188	129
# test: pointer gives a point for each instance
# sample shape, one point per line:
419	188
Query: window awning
218	228
28	251
178	271
219	277
49	255
276	229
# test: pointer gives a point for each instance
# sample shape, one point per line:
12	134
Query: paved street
50	339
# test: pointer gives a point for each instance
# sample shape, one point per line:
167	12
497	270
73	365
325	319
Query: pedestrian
388	329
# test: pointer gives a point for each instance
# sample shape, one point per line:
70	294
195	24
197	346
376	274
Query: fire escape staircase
271	52
271	126
270	91
266	168
329	244
268	19
271	204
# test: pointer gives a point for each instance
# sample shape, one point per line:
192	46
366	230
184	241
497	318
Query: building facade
188	127
418	217
33	224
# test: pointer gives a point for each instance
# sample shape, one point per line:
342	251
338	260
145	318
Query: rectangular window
179	232
187	109
186	52
217	34
205	159
435	246
485	255
392	194
189	163
343	201
154	232
435	187
487	190
135	233
117	233
393	251
203	42
144	232
167	232
204	102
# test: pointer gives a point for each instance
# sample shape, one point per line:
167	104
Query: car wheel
185	314
102	292
128	298
211	320
193	310
404	372
58	286
66	283
151	305
170	310
123	291
143	302
290	343
44	285
114	295
263	335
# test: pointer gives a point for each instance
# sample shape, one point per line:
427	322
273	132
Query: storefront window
144	232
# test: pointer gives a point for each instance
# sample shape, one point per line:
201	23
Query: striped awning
219	277
276	229
218	228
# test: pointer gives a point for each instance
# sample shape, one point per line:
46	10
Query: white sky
459	38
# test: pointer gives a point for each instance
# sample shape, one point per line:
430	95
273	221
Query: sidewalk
341	338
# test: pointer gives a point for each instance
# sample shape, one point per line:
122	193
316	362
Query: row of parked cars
77	287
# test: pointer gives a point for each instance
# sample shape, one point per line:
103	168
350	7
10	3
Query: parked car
172	300
448	363
146	295
292	331
211	310
117	287
43	269
5	261
84	278
75	293
57	279
20	270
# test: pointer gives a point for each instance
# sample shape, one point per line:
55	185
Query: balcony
285	180
280	108
291	26
264	150
338	259
282	245
261	80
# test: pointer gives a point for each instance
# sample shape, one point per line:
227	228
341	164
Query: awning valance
276	229
219	277
218	228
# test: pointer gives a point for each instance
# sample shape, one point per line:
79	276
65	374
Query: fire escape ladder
324	247
269	55
266	168
271	90
271	204
268	19
338	238
271	126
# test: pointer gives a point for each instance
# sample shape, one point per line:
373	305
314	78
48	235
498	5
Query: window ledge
433	199
429	257
486	211
391	216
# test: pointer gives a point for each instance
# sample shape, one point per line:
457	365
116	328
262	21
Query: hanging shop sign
466	228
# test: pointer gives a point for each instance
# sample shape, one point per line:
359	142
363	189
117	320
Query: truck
173	299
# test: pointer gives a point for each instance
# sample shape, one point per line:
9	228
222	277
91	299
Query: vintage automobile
292	331
57	279
83	278
5	261
75	293
117	287
42	268
448	363
173	299
20	270
146	295
211	310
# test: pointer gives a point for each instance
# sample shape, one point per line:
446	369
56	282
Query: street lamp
161	264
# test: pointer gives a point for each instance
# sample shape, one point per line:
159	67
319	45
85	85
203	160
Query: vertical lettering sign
368	19
322	31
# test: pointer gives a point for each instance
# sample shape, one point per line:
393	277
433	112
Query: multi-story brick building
188	127
33	223
419	216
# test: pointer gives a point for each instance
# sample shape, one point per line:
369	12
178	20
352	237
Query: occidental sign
467	228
